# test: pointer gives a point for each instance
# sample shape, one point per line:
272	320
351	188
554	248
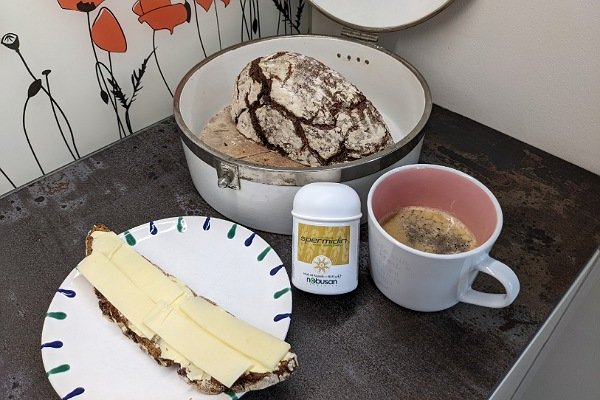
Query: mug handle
504	275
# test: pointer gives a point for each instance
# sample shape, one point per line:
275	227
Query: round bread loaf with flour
306	111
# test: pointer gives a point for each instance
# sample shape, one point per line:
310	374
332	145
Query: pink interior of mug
437	188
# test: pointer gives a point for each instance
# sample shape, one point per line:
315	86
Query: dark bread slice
249	381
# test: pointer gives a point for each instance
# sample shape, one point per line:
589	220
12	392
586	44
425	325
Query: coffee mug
424	281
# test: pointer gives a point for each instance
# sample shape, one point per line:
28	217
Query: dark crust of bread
265	101
247	382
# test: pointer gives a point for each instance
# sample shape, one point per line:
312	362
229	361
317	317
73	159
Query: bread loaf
306	111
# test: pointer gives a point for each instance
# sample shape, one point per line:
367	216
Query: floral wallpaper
77	75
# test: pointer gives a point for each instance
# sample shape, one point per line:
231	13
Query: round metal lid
380	15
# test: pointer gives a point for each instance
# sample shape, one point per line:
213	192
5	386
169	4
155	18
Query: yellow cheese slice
204	350
140	271
146	276
118	289
121	290
106	242
240	335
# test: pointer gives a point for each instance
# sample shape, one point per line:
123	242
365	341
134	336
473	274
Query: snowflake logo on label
321	264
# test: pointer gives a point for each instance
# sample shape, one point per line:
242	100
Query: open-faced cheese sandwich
212	350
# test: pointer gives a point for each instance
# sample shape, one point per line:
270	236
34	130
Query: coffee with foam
430	230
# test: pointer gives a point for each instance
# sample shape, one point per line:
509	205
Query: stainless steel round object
380	15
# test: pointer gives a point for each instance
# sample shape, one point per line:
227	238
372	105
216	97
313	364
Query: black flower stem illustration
257	16
287	18
253	26
7	178
244	22
55	106
112	76
218	27
127	119
106	97
27	137
198	28
285	13
45	73
157	63
289	7
136	81
101	81
299	11
113	82
282	15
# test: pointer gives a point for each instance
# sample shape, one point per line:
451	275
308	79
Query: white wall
55	39
530	69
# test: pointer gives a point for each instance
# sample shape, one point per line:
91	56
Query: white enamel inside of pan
391	86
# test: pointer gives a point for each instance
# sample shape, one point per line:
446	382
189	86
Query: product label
323	246
323	280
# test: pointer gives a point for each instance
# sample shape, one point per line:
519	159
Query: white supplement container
325	238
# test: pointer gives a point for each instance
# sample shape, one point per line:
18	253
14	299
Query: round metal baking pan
341	172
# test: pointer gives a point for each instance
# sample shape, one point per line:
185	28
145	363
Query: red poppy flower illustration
207	3
107	33
162	14
80	5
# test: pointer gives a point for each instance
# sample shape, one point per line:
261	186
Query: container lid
326	201
380	15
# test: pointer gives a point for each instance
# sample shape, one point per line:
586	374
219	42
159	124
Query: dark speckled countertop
358	345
